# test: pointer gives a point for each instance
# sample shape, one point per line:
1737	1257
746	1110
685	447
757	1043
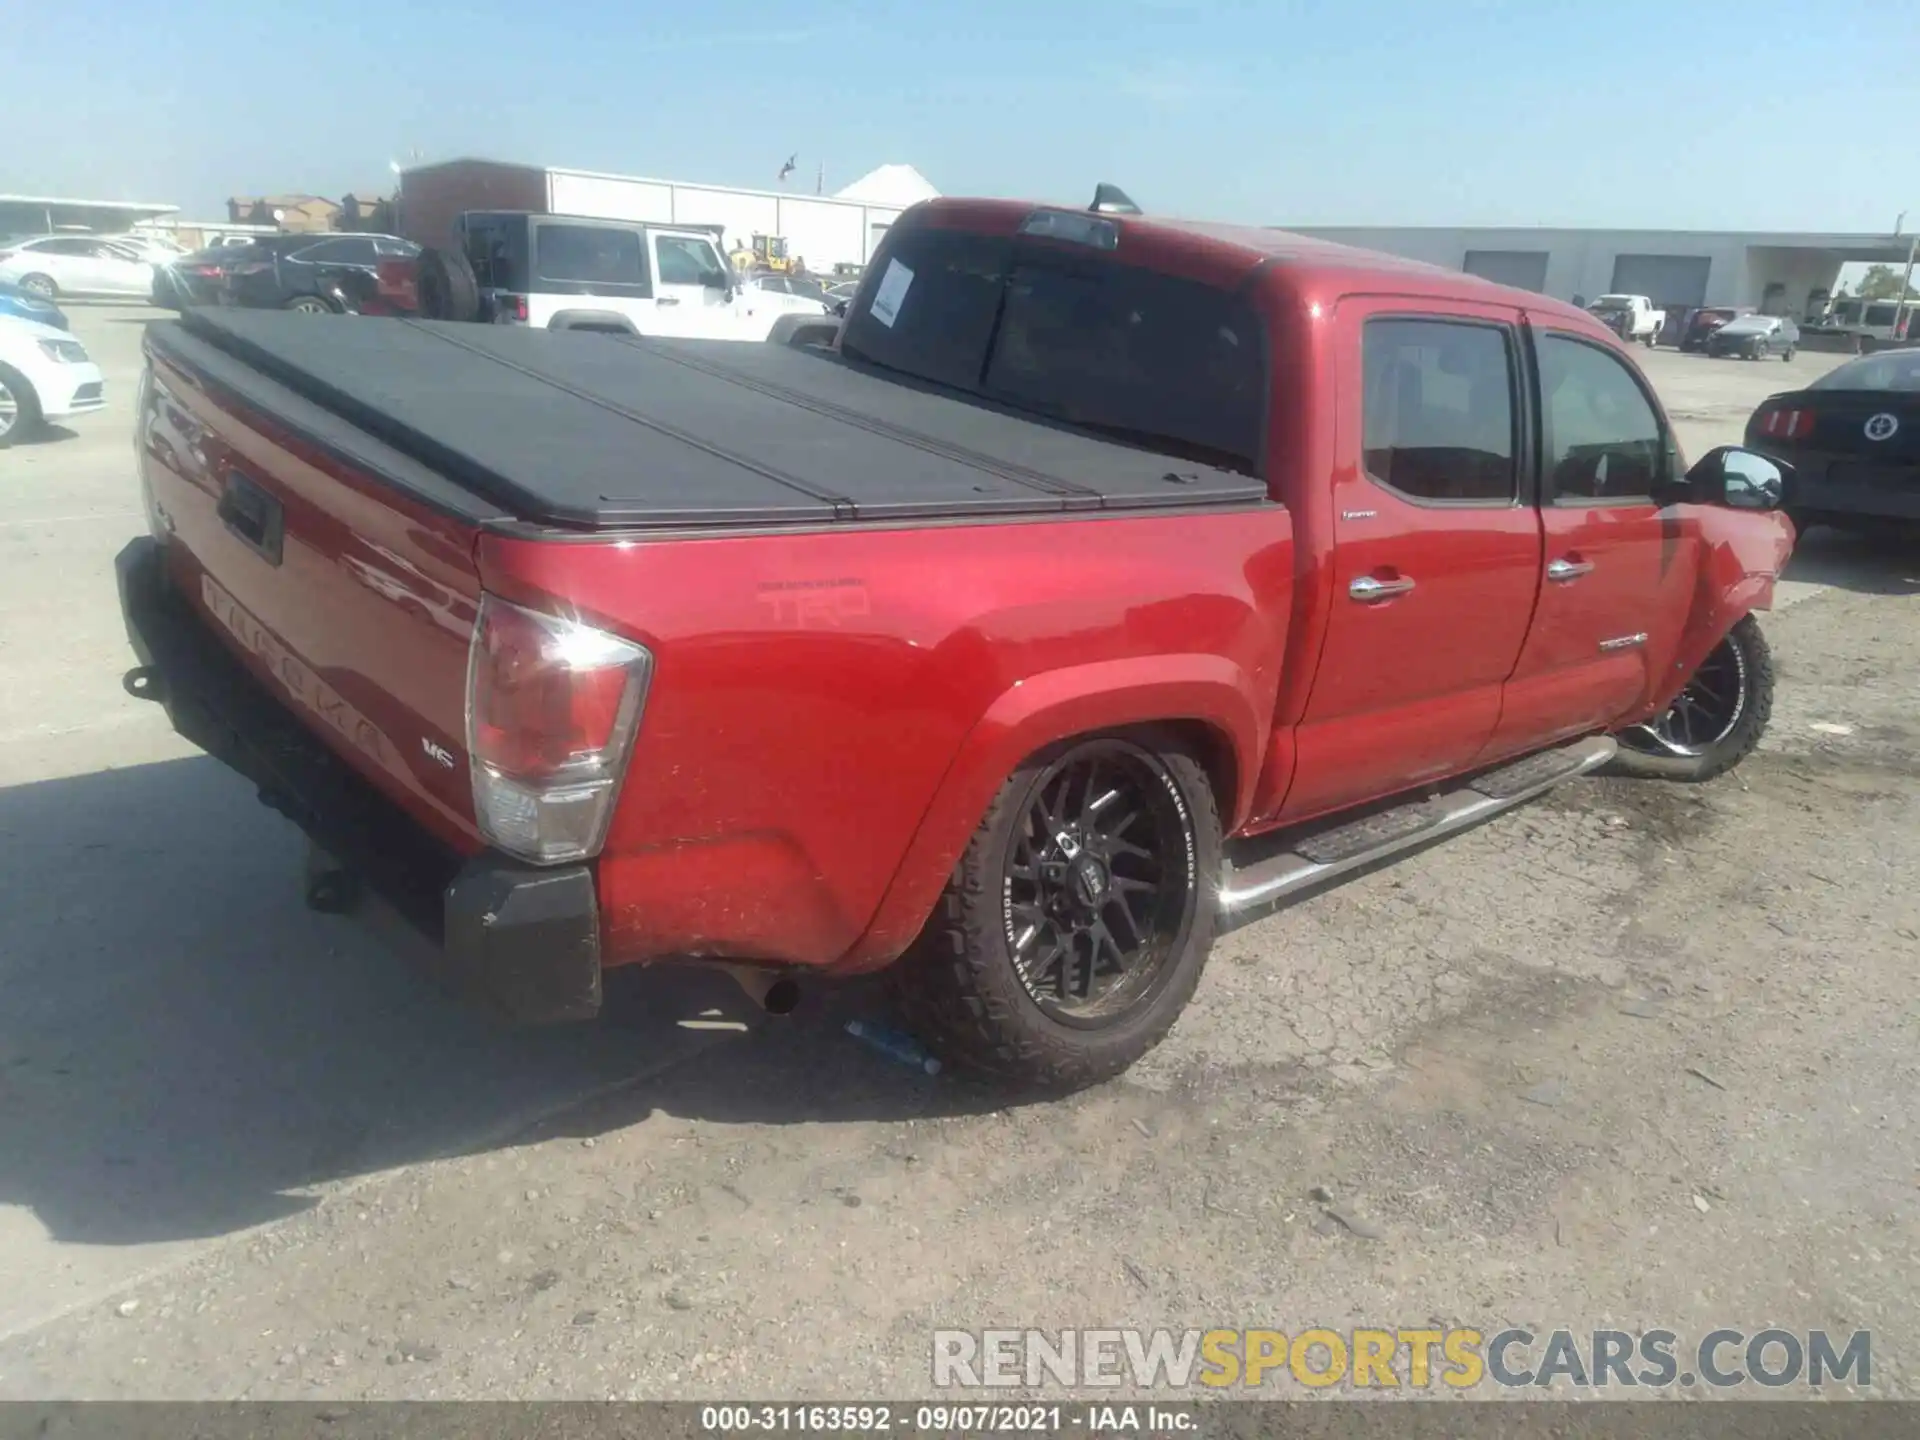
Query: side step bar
1302	863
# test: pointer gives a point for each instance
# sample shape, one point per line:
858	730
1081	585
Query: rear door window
590	255
1439	413
344	251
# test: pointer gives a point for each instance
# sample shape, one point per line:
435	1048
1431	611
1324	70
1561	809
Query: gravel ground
1633	1055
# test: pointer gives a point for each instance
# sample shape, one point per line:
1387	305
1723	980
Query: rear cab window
1074	335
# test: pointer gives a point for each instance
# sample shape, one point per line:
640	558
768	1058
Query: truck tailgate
341	573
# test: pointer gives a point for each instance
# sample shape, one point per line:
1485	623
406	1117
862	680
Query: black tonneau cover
598	431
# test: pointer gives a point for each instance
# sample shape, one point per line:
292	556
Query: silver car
1756	337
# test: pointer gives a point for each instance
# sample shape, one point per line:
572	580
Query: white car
45	374
79	265
155	249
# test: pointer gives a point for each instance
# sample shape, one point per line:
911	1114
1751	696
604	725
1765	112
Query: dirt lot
1632	1055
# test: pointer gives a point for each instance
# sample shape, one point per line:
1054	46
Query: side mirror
1737	478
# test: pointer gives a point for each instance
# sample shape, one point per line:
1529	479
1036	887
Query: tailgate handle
253	515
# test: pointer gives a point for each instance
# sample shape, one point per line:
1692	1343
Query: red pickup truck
1105	580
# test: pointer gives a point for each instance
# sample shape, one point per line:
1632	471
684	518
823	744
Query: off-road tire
27	418
1733	747
447	286
956	987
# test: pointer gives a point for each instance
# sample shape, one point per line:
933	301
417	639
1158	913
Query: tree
1882	282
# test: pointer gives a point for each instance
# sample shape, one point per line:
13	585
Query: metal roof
149	207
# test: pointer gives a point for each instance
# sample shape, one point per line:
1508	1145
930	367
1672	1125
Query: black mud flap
527	939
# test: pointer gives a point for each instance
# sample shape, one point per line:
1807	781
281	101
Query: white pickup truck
1631	316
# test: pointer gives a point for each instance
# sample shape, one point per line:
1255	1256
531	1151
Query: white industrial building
822	230
1785	273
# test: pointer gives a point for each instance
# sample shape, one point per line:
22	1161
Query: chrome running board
1304	861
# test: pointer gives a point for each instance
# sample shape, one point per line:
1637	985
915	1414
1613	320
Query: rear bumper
524	940
1843	486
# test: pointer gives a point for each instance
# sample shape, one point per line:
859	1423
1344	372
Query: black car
1756	337
195	279
1852	438
314	274
1702	323
805	286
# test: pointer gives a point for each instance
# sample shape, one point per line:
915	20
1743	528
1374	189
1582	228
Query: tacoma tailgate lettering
313	693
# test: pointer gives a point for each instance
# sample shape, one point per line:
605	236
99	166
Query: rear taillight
552	708
1787	424
509	309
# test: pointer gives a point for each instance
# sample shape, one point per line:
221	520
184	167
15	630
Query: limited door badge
1882	426
1358	514
1624	642
439	754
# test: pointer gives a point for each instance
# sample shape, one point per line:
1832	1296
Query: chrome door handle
1367	589
1565	570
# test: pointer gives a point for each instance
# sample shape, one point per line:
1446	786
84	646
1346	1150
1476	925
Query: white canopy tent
897	186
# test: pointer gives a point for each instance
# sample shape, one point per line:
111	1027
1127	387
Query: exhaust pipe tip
782	997
773	992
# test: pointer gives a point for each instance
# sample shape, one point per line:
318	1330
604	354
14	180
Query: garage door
1673	282
1522	269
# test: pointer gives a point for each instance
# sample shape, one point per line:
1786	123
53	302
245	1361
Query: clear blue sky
1617	113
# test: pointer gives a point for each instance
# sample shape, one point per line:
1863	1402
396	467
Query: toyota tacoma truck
1105	581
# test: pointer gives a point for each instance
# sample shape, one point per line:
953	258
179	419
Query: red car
1107	580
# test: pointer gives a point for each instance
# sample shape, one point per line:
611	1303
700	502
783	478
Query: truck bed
596	431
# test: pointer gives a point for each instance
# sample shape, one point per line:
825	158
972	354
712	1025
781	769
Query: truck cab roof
1313	269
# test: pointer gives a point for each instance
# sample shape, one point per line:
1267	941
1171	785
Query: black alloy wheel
1706	710
1077	922
1716	720
1098	884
